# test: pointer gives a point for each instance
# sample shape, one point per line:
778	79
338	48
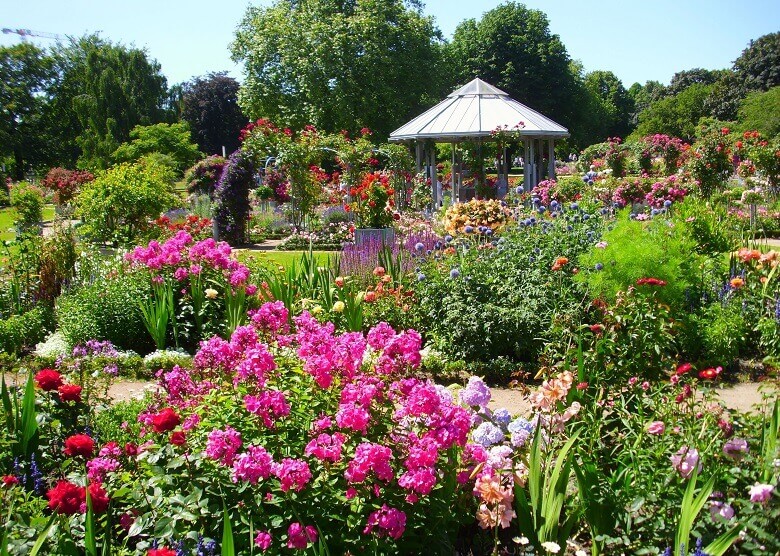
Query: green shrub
21	332
634	250
498	306
707	224
28	202
172	140
106	310
722	332
121	201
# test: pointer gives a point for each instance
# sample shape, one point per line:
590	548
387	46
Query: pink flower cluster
389	521
271	318
181	257
666	190
223	445
253	465
269	405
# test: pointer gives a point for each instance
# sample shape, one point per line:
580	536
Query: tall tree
25	72
759	64
615	102
103	90
676	116
210	106
644	96
338	64
684	79
512	48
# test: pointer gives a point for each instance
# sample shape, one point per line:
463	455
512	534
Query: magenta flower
735	448
388	521
263	540
656	427
253	465
299	536
685	461
223	445
761	493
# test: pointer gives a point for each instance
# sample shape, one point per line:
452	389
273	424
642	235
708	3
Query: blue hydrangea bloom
488	434
502	417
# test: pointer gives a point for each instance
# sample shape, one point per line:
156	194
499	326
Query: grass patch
8	215
283	258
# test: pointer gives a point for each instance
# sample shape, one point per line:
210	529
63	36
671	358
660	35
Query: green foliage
28	201
338	65
102	92
202	178
25	73
169	139
760	111
106	310
210	106
709	162
707	224
21	332
614	103
759	64
676	116
722	333
121	201
504	302
634	250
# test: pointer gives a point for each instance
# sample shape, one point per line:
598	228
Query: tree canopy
210	106
173	140
102	91
512	48
338	65
759	64
676	116
25	72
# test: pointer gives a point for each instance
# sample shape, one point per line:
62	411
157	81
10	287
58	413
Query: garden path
741	396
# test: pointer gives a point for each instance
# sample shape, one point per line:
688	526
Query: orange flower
737	283
559	263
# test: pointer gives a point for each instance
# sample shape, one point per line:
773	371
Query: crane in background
24	33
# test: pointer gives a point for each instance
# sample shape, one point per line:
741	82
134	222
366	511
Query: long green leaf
691	506
719	546
29	417
42	537
90	544
228	544
8	407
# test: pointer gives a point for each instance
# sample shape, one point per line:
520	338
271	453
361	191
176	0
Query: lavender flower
488	434
476	393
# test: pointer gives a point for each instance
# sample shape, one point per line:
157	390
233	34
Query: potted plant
373	207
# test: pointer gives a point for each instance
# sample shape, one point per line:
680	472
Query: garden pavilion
473	113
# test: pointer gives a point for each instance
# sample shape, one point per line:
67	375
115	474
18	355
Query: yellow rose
338	307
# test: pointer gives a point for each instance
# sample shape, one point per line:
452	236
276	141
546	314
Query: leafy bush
21	332
202	178
722	333
65	183
121	202
172	140
500	299
106	310
28	202
631	250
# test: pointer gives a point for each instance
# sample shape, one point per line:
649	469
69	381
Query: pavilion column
551	159
432	173
526	166
533	164
452	173
419	158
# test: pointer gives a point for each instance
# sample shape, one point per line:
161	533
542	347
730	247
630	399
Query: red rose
79	445
99	498
597	329
161	552
10	480
48	379
710	374
166	420
70	393
683	368
131	449
66	498
178	438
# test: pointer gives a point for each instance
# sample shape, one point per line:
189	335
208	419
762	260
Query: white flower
211	293
553	547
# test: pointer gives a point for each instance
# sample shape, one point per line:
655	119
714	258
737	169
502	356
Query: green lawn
8	215
283	258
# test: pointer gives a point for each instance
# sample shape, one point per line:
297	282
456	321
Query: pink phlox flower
379	335
293	474
111	449
98	467
400	353
223	445
326	447
389	521
263	540
420	480
271	317
243	337
269	405
251	466
370	457
257	363
299	536
352	416
215	354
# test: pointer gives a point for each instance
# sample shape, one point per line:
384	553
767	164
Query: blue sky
637	40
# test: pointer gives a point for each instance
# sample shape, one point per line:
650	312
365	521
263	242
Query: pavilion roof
475	110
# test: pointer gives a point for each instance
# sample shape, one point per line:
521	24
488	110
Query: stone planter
365	236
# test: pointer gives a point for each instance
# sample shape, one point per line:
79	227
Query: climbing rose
79	445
